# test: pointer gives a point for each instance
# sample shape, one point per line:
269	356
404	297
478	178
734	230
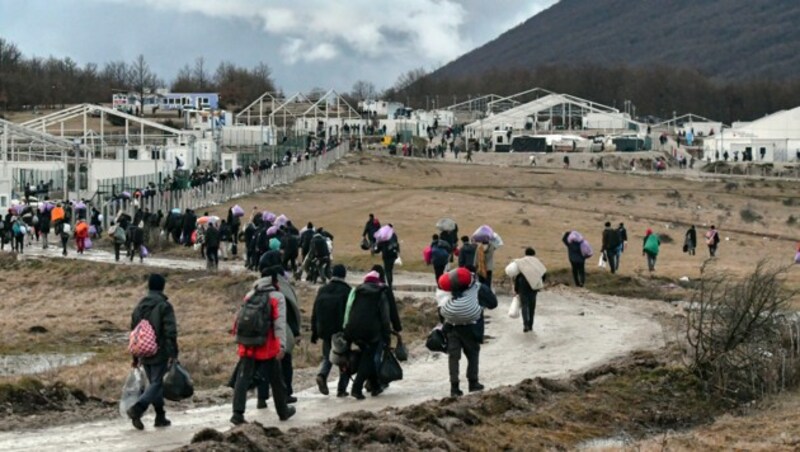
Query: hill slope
729	39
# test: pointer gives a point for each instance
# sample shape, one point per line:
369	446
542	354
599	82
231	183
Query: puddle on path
11	365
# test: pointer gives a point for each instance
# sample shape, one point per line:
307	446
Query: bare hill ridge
728	39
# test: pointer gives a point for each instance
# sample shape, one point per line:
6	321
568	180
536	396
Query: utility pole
76	145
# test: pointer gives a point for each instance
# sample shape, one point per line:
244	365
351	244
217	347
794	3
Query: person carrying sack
153	315
528	275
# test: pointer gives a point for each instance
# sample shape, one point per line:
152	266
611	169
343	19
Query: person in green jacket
650	249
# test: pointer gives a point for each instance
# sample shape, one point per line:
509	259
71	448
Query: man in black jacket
155	308
326	320
370	229
290	245
390	251
212	246
305	240
367	325
468	255
611	243
249	244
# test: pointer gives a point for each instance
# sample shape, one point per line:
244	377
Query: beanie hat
339	271
156	282
372	277
270	263
455	280
380	271
274	244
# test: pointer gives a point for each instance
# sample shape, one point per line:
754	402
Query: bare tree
409	78
142	80
200	74
363	90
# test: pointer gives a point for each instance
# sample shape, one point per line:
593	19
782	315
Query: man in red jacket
264	359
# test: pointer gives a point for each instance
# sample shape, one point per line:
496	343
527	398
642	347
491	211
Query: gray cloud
308	43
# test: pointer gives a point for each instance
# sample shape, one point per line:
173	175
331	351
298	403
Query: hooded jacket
328	314
292	312
159	312
573	250
276	337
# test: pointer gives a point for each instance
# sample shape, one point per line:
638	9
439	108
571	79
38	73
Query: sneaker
237	419
290	411
322	384
291	399
342	394
261	404
474	386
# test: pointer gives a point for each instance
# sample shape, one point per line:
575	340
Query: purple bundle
281	220
237	211
483	234
268	216
384	234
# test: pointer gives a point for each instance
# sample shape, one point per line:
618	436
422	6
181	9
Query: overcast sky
307	43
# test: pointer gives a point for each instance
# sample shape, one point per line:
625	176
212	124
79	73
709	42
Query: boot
161	419
261	404
474	386
135	413
290	411
237	419
322	384
455	391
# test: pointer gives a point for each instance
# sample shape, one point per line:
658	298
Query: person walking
366	324
390	251
712	240
136	241
44	228
690	241
573	240
463	319
260	331
293	318
81	234
623	242
157	310
650	246
468	255
211	240
118	237
370	228
440	255
64	235
485	262
528	275
611	243
327	318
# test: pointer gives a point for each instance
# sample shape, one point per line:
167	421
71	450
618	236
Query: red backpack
142	342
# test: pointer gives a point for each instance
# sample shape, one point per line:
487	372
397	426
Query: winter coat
211	237
44	223
292	312
390	249
305	240
611	240
276	336
368	315
463	308
573	250
159	312
82	230
440	252
57	214
371	228
690	240
327	316
488	256
468	256
290	245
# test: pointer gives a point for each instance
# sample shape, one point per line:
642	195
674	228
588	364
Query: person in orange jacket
81	234
57	217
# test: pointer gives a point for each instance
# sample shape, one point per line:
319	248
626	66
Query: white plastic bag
133	388
442	297
602	262
516	308
398	261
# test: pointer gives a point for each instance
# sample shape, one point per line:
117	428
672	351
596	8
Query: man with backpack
260	331
370	229
118	236
464	323
327	318
319	256
154	313
390	251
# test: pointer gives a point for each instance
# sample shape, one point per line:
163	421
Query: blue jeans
154	394
327	365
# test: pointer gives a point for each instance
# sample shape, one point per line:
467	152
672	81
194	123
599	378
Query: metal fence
219	192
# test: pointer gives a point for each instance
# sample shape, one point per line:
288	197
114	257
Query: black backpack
254	319
320	246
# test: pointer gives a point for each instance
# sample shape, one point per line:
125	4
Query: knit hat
455	280
156	282
380	271
372	277
274	244
648	231
339	271
270	263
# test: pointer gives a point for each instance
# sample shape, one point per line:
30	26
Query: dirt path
573	332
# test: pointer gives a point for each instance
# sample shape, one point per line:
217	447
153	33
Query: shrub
741	343
665	238
792	220
749	215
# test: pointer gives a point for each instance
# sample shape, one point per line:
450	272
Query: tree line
656	91
27	82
